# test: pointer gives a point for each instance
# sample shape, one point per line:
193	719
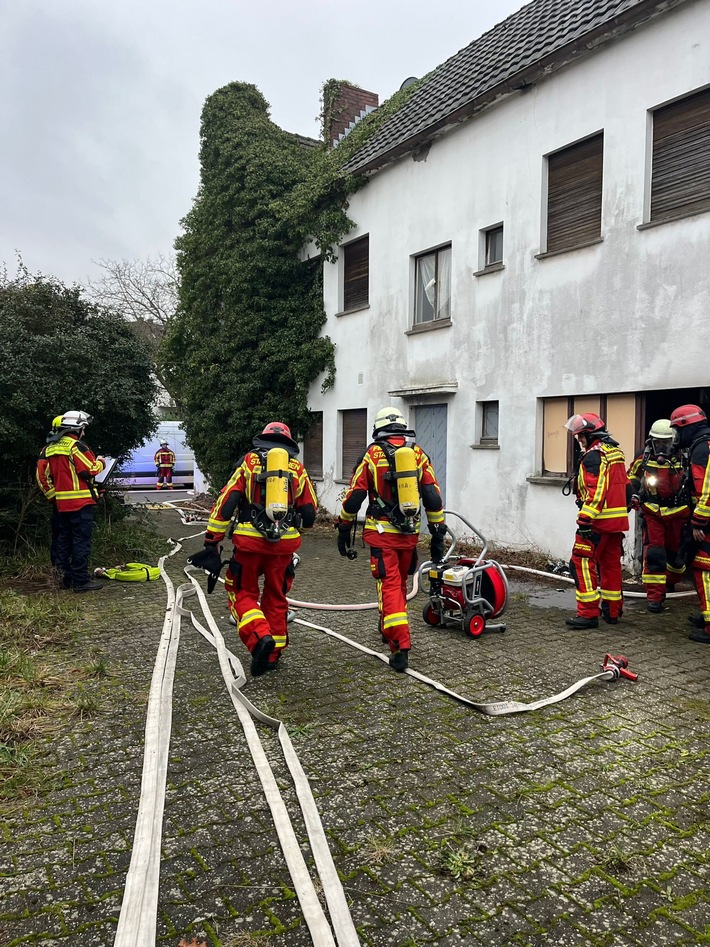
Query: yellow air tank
405	464
276	500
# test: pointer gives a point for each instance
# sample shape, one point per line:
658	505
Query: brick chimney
349	106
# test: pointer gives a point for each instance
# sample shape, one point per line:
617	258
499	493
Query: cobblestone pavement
582	823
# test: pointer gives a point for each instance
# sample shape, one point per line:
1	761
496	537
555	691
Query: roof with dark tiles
541	37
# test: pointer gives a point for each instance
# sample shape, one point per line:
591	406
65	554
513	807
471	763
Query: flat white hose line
496	709
566	578
341	918
356	607
138	918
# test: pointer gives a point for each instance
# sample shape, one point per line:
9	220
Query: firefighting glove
584	529
436	550
345	532
211	561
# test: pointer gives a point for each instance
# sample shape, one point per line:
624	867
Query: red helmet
277	427
587	423
279	433
687	414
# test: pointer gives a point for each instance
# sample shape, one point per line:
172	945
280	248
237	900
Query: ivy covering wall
245	344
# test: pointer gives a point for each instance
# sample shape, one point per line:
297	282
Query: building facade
541	248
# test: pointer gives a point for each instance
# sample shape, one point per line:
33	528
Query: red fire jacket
72	467
243	490
164	457
657	483
43	475
602	489
699	461
368	480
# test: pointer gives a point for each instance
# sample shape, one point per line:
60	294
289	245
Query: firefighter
265	537
72	467
164	461
603	495
693	432
656	477
44	482
392	526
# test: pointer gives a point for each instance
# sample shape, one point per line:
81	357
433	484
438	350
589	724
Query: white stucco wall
629	314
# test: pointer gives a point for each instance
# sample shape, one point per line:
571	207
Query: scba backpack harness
403	475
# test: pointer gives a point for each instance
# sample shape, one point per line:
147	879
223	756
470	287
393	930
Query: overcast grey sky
100	102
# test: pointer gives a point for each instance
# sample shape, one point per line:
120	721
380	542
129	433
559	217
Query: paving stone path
584	823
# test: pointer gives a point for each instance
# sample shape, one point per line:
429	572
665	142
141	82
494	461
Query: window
493	246
680	172
432	294
354	442
489	422
313	446
620	412
356	274
574	195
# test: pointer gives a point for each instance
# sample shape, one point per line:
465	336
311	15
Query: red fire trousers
391	563
661	540
256	618
595	566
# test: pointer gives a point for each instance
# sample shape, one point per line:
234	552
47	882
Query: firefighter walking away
272	497
397	477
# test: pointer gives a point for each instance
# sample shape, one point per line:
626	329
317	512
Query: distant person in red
164	462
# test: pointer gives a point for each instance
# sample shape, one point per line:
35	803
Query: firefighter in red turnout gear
72	468
693	432
43	476
391	535
164	460
603	496
264	541
656	477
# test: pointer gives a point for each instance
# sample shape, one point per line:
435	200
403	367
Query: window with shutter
313	446
680	173
354	428
574	195
356	274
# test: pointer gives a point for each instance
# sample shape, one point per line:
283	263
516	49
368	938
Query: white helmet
662	429
388	417
74	420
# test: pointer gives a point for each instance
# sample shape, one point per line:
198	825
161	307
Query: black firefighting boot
399	660
697	621
88	587
260	655
607	616
702	637
582	623
654	607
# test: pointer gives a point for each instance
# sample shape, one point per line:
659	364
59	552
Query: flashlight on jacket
652	480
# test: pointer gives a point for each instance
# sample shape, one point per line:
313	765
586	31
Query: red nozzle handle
621	663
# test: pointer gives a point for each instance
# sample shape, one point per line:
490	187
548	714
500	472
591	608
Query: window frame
486	246
313	445
419	287
679	184
488	440
574	191
356	285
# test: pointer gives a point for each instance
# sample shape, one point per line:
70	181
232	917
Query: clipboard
107	471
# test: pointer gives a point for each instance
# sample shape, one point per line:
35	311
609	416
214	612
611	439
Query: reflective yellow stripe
382	526
347	517
246	529
678	570
653	578
436	517
217	526
279	640
397	618
72	494
608	596
250	616
587	596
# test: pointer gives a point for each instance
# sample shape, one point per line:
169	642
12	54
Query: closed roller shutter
356	286
354	439
680	177
574	195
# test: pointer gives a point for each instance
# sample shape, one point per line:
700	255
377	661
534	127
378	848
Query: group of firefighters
269	499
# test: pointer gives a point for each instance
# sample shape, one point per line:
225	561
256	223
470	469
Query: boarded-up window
313	446
621	422
574	194
555	412
356	274
680	175
354	427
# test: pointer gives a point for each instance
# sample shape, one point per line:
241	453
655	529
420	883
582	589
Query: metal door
430	425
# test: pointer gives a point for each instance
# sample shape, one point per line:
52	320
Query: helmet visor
576	424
